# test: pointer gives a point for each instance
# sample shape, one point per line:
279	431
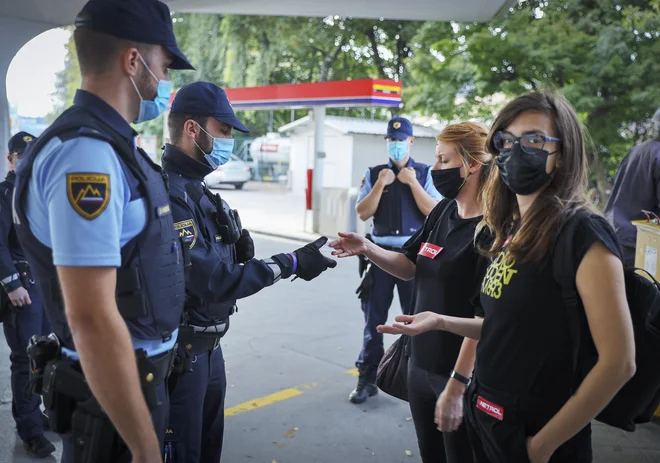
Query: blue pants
375	310
197	419
158	416
28	321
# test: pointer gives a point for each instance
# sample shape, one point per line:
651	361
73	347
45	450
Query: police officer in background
222	268
398	195
22	313
93	216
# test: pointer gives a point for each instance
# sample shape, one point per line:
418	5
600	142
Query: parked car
236	172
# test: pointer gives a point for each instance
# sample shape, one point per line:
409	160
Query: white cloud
31	74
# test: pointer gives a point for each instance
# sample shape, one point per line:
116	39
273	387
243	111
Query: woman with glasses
448	270
526	402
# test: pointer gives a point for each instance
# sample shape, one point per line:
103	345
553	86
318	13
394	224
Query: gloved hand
311	263
244	247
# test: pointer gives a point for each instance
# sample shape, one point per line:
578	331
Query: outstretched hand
415	324
348	244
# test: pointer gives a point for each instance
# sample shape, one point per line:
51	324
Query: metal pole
317	176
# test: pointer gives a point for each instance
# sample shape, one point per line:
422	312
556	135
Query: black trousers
499	425
424	388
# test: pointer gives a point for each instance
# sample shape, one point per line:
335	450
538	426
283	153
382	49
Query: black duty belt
196	339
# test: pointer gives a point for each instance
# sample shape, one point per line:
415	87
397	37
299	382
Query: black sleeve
483	240
411	248
591	229
8	273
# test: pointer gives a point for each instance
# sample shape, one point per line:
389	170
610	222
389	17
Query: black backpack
638	399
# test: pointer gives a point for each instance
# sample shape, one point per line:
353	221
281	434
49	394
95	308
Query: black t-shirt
447	281
525	347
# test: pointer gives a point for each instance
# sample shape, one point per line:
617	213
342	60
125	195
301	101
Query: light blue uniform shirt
75	240
395	240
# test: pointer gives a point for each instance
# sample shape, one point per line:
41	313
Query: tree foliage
601	54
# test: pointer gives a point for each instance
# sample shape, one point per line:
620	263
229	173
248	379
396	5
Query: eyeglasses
505	140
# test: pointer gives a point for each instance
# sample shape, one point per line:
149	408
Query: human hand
536	451
19	297
417	324
311	263
407	176
386	177
449	408
349	244
244	247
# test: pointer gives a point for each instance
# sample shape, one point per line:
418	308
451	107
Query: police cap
141	21
19	142
399	128
206	99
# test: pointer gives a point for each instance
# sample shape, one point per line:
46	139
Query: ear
412	140
9	159
190	128
130	60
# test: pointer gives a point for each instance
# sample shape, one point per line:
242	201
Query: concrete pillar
14	33
319	156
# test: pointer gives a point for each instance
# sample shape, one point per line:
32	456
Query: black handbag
392	375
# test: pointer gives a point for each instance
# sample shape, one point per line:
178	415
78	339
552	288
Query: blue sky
31	75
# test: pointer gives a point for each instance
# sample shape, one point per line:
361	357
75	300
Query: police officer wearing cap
222	269
93	216
21	312
399	196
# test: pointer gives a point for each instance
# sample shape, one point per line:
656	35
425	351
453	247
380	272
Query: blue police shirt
75	240
366	189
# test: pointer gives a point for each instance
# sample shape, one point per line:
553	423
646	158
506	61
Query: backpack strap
563	269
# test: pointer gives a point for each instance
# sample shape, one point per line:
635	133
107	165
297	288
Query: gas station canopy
62	12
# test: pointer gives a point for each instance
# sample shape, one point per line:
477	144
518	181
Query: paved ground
289	353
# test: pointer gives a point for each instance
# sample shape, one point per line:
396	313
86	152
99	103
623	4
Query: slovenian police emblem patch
27	139
88	193
187	231
397	125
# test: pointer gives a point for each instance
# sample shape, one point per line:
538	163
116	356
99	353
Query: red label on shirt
490	408
429	250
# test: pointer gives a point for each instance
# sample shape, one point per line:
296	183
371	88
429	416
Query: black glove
244	247
311	263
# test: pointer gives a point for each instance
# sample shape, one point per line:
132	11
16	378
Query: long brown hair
565	194
469	139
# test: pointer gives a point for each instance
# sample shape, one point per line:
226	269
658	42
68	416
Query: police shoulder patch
187	230
88	193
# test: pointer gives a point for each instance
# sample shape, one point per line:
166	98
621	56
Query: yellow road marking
268	400
353	372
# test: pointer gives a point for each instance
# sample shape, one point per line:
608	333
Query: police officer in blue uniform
22	313
222	270
93	216
399	196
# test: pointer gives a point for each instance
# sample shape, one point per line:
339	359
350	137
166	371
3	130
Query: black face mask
524	173
448	182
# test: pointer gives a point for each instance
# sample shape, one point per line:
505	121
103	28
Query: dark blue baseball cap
141	21
399	128
206	99
19	142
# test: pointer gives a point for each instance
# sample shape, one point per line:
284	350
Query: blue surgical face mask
221	151
149	109
18	162
397	149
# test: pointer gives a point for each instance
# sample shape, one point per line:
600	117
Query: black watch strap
460	378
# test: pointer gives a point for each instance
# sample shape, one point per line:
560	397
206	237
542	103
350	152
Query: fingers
394	329
28	301
404	318
319	243
334	244
331	262
245	233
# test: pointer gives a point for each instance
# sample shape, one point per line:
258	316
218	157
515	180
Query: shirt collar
176	161
391	165
105	112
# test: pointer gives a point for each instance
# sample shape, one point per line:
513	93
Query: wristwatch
460	377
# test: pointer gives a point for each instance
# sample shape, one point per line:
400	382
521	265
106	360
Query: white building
351	146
